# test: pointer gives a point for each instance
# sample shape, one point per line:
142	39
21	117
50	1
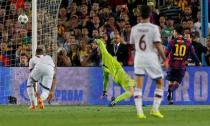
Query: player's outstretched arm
101	45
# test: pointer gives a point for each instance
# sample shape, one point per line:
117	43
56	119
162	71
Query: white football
23	19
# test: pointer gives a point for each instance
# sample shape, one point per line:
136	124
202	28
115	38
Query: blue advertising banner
83	85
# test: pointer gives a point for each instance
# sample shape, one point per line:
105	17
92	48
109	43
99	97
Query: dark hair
23	54
179	29
145	11
39	51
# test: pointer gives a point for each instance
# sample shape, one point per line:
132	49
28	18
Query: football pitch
103	116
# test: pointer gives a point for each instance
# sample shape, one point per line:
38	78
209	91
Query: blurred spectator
85	34
197	27
62	15
138	19
154	15
84	11
72	9
184	23
187	13
63	60
118	49
95	34
171	10
114	3
190	25
74	54
167	31
83	53
106	38
94	56
4	54
126	33
67	45
72	23
162	22
95	7
23	60
199	48
207	57
77	33
181	3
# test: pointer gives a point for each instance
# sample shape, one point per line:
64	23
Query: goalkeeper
113	67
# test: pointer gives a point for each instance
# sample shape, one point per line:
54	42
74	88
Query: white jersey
41	59
143	35
42	71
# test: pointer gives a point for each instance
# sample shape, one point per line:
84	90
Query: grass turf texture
103	116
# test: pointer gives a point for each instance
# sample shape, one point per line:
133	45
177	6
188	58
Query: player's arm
101	46
194	55
158	45
52	89
168	48
132	39
31	64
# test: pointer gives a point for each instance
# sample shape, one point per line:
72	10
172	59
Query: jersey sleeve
31	64
132	40
168	48
156	33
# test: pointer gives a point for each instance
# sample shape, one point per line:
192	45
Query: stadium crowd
80	22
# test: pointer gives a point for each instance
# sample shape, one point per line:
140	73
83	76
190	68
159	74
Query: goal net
18	45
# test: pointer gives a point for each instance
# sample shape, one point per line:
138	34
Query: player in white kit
42	72
147	40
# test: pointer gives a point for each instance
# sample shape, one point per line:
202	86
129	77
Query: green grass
103	116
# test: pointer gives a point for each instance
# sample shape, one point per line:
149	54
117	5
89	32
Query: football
23	19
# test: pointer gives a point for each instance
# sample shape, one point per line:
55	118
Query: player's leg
105	82
140	72
31	87
158	96
138	95
156	73
170	92
175	77
127	83
46	83
123	96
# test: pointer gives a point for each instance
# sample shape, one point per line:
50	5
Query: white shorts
148	65
43	74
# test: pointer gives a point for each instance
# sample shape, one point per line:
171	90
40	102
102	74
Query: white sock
31	95
158	94
44	94
138	100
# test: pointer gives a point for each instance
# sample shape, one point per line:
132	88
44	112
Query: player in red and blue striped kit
178	51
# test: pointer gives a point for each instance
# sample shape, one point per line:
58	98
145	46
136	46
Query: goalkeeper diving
111	66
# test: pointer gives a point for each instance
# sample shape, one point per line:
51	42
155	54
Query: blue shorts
175	74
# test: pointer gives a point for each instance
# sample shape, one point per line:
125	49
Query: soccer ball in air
23	19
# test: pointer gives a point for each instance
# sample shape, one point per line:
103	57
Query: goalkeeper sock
157	99
31	95
138	100
123	96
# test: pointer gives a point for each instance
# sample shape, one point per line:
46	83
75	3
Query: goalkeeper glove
104	94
